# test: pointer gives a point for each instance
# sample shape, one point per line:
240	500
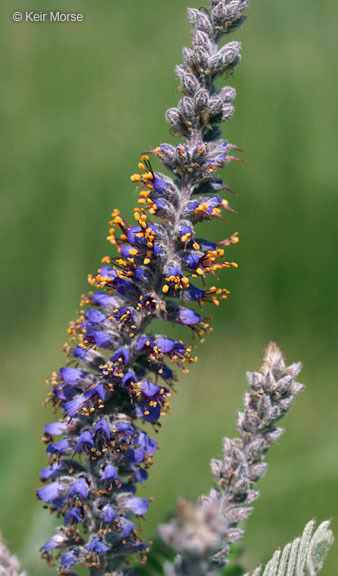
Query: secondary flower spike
119	373
201	533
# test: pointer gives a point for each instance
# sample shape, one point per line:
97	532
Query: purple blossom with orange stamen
119	373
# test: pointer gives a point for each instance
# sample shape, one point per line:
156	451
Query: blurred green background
79	102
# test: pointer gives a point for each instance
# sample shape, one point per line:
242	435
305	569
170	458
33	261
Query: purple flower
138	506
85	439
128	378
55	428
193	293
144	342
72	376
135	456
95	316
140	274
149	389
102	427
127	251
166	372
69	559
140	475
175	270
159	185
147	412
124	314
108	272
62	447
96	545
125	432
99	337
186	316
110	473
125	527
73	515
146	443
73	407
166	345
56	541
51	491
52	471
80	488
104	300
122	355
108	513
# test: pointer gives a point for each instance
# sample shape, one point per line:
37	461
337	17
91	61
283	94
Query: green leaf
304	556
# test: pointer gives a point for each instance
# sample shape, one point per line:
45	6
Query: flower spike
119	374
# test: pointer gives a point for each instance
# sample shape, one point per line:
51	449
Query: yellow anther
146	261
135	178
141	166
165	288
234	264
196	246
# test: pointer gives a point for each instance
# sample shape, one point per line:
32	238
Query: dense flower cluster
201	532
119	373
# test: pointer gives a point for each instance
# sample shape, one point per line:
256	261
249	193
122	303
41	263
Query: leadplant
119	373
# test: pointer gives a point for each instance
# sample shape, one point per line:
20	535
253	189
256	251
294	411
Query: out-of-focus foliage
304	556
79	102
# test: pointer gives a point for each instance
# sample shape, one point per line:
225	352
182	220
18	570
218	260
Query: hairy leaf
304	556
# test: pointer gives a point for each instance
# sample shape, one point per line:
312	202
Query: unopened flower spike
119	373
202	532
